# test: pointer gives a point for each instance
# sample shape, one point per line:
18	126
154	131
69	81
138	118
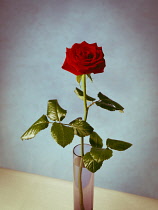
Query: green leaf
90	163
54	111
107	103
39	125
79	93
62	134
95	140
100	154
102	96
117	144
89	76
78	78
81	128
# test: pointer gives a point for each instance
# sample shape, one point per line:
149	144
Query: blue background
34	35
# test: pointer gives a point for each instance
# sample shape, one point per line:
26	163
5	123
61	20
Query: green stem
80	185
85	109
82	142
82	146
84	96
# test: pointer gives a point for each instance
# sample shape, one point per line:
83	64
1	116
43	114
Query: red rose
84	58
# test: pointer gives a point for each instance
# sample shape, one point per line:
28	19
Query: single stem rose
82	142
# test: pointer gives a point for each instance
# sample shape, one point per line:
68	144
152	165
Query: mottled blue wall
33	39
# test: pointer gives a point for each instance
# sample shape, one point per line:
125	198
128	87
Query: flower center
90	55
86	54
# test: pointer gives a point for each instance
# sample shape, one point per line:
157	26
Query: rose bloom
84	58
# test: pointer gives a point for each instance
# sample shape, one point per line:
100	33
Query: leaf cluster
103	102
94	159
62	133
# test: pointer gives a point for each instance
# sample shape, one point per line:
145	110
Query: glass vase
83	184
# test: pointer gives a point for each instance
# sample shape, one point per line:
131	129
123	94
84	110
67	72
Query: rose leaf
39	125
105	105
62	134
100	154
54	111
117	144
107	101
81	127
95	140
90	163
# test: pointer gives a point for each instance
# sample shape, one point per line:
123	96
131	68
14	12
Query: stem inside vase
84	177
